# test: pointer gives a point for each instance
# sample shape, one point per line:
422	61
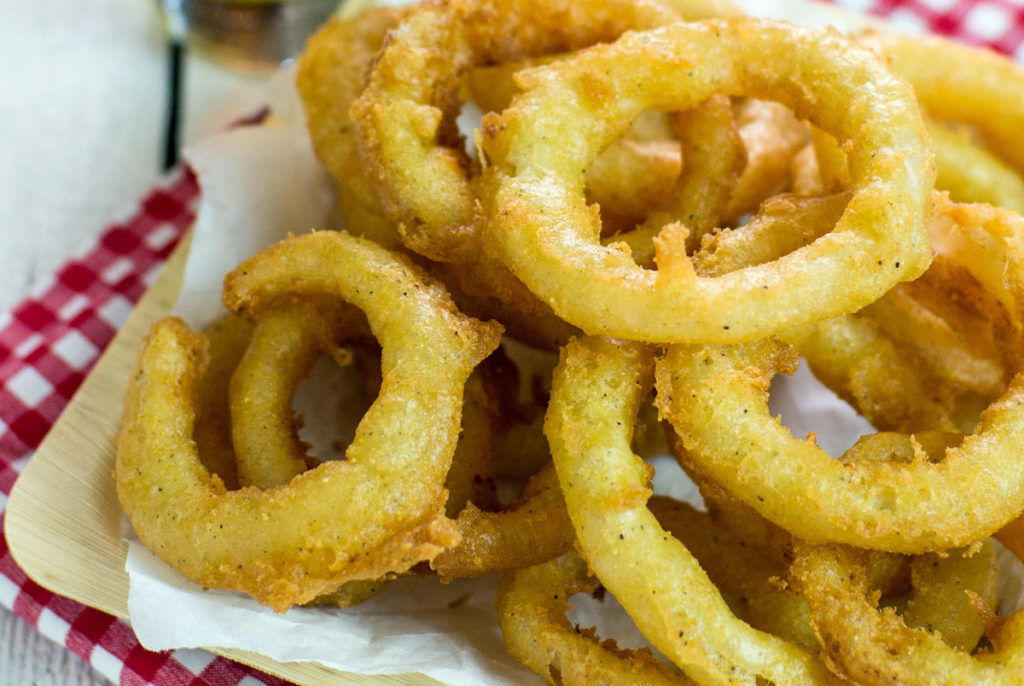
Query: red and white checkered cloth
49	342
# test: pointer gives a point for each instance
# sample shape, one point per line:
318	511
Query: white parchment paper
259	184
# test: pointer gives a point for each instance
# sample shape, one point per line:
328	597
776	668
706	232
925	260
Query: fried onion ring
288	338
963	84
266	449
571	109
331	73
971	173
534	529
795	484
713	158
228	338
597	387
873	646
964	168
868	503
771	136
287	545
406	115
532	603
931	353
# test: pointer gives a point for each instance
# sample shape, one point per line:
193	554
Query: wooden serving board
63	519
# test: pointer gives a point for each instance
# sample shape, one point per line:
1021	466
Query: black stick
175	60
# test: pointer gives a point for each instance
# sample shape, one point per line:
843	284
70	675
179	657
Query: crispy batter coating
874	646
532	603
337	522
571	109
598	385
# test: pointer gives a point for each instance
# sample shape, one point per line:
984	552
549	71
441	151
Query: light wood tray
63	520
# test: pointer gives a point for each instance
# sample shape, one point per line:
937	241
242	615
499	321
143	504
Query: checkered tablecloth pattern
49	342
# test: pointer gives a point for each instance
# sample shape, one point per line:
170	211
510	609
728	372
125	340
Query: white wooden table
82	97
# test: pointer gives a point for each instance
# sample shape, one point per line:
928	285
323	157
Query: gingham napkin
49	342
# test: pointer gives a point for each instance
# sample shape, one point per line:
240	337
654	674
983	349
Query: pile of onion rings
664	204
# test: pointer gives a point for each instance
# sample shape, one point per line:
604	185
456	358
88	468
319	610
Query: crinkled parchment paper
259	184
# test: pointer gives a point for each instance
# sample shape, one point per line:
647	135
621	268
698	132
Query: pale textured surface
26	657
81	110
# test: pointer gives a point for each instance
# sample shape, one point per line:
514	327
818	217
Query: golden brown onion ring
873	646
629	178
406	116
570	110
713	157
897	376
289	336
900	382
772	135
228	338
934	352
872	504
597	387
795	484
963	84
334	523
531	530
532	603
971	173
783	224
330	75
964	167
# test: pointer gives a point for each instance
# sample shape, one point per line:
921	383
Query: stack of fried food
664	205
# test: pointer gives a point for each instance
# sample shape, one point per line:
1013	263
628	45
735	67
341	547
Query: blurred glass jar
250	34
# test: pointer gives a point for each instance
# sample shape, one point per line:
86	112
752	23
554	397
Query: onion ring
228	338
870	504
288	338
571	109
637	172
331	73
406	114
597	388
481	552
174	505
267	451
967	170
714	156
532	603
532	530
771	135
971	173
959	83
897	380
630	177
877	647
